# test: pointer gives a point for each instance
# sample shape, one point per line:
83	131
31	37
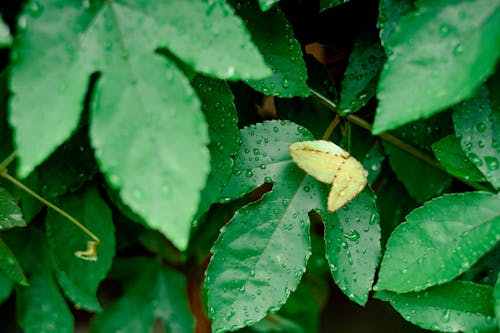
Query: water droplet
491	163
285	83
35	9
475	159
353	235
307	189
481	127
458	50
249	173
444	30
373	218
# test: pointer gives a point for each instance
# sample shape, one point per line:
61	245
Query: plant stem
331	127
392	139
3	173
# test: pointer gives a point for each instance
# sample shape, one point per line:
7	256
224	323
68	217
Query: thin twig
331	127
26	189
393	140
6	162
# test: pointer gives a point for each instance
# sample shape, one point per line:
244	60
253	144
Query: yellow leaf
331	164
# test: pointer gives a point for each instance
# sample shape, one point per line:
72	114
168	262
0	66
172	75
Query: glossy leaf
457	306
361	75
221	116
390	13
327	4
352	238
274	36
9	265
440	240
477	123
5	37
262	253
267	4
143	145
451	156
10	213
441	53
79	278
154	291
40	307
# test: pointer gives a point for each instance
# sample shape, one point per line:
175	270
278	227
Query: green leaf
10	213
267	4
441	53
440	240
457	306
68	168
147	127
262	253
10	266
327	4
451	156
6	287
80	278
390	13
40	307
274	36
361	75
5	37
221	116
154	292
352	238
477	124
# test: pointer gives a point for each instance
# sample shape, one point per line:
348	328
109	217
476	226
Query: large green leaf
10	213
221	116
104	36
262	253
274	36
40	307
441	53
457	306
353	246
361	75
496	298
451	156
80	278
390	13
154	291
477	124
440	240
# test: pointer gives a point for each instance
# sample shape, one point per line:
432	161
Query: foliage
146	179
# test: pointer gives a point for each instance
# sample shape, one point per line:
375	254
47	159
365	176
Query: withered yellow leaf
331	164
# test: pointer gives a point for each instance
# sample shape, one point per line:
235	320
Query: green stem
393	140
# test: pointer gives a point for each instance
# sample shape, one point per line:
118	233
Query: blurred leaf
220	114
10	213
39	307
352	238
440	240
10	266
80	278
453	307
5	37
155	291
496	298
267	4
441	53
451	156
477	124
390	13
361	75
273	35
6	287
319	79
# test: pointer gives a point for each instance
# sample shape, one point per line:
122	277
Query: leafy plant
146	178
